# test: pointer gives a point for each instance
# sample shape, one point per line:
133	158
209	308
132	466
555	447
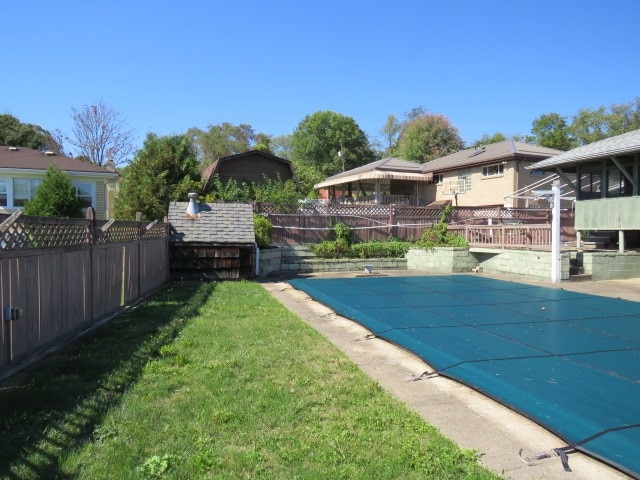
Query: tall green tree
624	117
390	131
165	169
487	139
55	197
281	146
17	134
428	136
590	125
326	143
552	130
225	139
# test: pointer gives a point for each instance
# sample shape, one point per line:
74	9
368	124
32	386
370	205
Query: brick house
473	177
483	176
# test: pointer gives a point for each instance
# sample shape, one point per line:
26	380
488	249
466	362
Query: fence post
392	217
92	239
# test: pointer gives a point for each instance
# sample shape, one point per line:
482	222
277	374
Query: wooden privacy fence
313	223
59	276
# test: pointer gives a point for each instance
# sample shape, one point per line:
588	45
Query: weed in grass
156	466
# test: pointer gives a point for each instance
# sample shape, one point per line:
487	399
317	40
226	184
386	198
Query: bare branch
101	134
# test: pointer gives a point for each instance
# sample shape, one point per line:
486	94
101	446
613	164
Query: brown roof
212	169
30	159
504	150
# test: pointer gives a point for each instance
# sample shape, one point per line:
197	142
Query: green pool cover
568	361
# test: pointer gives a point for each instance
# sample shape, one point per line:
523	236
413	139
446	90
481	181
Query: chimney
109	165
192	208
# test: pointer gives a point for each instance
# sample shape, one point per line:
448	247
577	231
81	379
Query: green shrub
342	232
437	236
390	249
262	227
55	197
332	249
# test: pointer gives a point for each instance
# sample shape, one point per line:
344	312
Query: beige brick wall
484	190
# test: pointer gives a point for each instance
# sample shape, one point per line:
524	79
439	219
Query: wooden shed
217	242
248	167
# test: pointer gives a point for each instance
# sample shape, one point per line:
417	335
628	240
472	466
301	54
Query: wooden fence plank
63	280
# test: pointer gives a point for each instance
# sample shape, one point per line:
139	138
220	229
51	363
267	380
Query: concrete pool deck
470	419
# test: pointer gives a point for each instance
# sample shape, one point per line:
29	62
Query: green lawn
213	381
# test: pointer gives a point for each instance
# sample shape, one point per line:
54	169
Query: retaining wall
517	263
292	259
610	265
522	263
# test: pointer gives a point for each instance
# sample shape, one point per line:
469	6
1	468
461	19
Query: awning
374	175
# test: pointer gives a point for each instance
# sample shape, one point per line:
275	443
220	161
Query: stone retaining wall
292	259
524	263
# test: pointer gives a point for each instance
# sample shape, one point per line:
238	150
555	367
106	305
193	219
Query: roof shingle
30	159
487	154
216	224
623	144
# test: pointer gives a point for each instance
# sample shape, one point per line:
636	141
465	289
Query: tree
590	125
391	131
428	136
318	139
101	134
487	139
226	139
624	117
551	130
164	169
17	134
55	197
281	146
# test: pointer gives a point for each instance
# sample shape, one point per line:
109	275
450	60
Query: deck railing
505	236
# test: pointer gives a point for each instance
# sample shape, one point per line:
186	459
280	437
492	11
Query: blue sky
492	65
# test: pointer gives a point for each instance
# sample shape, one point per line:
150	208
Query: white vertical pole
555	232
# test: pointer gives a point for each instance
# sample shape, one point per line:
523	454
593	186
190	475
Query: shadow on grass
56	405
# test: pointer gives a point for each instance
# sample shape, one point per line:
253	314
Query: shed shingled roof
624	144
493	152
216	224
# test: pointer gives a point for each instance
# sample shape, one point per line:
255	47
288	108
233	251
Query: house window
84	193
24	189
493	170
464	180
438	178
590	185
3	193
617	184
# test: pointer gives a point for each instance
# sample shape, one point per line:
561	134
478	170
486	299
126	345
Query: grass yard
213	381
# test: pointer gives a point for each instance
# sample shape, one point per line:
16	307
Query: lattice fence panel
158	230
36	232
119	232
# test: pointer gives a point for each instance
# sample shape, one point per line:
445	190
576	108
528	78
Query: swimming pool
569	361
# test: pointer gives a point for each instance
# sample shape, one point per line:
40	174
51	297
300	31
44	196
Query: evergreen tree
55	197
